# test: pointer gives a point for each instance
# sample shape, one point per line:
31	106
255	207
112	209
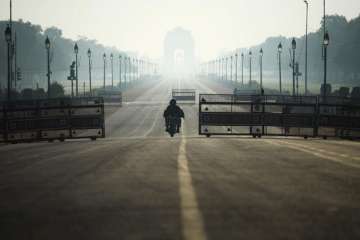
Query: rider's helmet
172	102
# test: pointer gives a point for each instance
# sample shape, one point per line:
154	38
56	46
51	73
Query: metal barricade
50	119
110	96
339	120
278	115
184	95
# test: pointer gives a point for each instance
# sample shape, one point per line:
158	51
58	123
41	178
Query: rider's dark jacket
174	111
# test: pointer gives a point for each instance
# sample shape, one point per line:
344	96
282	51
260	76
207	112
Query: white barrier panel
186	95
55	134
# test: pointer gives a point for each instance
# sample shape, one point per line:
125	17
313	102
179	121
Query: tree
27	93
39	93
57	90
53	33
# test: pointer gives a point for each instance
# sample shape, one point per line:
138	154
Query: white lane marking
140	124
314	152
191	218
158	115
324	151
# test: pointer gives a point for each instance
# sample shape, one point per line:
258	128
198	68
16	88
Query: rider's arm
182	113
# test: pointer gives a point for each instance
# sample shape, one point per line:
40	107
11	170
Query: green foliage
39	93
32	53
27	94
57	90
343	52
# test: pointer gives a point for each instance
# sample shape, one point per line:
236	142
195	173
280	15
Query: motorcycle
172	125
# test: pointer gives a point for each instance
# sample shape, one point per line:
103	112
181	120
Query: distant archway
179	56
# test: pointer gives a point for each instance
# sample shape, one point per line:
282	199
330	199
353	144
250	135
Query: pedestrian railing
52	119
278	115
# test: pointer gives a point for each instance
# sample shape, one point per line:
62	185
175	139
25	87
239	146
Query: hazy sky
141	25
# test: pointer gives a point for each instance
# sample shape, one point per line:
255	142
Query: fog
141	25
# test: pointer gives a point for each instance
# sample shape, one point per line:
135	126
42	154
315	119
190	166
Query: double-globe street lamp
220	69
261	70
250	59
236	69
104	58
231	68
120	65
76	51
226	68
90	66
129	70
280	48
306	47
125	70
242	69
8	41
137	69
293	46
326	44
47	46
112	69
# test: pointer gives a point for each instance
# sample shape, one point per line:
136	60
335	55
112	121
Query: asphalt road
139	183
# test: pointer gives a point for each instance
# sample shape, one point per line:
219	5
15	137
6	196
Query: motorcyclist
175	111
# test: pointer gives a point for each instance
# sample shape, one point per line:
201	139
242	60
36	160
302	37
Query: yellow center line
191	218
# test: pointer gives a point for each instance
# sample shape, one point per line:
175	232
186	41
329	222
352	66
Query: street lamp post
120	62
112	70
89	56
104	57
125	71
47	46
306	47
212	69
250	56
236	69
279	56
138	69
76	50
219	66
326	44
226	68
130	69
293	44
134	69
261	69
8	41
207	70
242	69
231	68
222	68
